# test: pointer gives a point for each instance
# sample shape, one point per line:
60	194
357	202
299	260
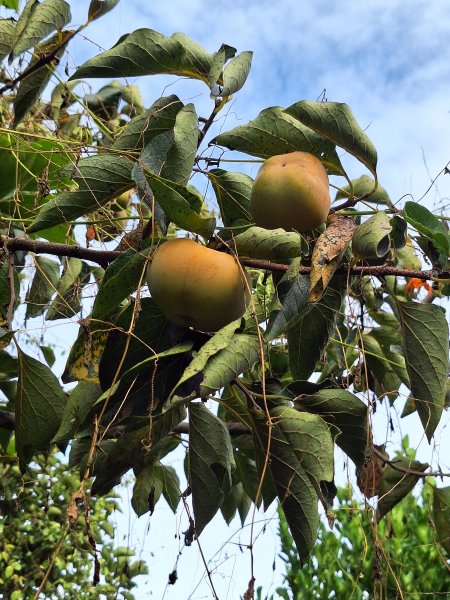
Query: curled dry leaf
328	252
369	476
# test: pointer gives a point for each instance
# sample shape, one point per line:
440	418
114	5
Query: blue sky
390	62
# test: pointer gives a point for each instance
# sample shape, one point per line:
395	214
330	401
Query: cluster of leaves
356	560
289	377
33	521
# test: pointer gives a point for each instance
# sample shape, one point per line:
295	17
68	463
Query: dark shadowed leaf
309	332
300	458
397	482
441	515
98	8
122	277
425	339
371	238
232	193
39	407
336	122
79	404
37	21
67	302
211	461
135	447
274	132
341	409
147	489
45	283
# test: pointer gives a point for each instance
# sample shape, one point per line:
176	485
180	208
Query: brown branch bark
104	257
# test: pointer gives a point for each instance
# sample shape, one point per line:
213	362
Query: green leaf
430	226
371	238
147	52
219	59
238	357
86	353
6	36
7	295
171	487
31	88
48	354
441	516
37	21
213	346
45	283
122	277
157	119
276	244
12	4
425	339
300	458
79	404
381	366
177	201
364	186
235	74
397	483
39	407
98	8
341	409
135	447
275	132
211	461
310	331
293	293
100	178
232	192
336	122
147	490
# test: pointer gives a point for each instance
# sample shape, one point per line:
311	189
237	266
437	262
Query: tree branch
104	257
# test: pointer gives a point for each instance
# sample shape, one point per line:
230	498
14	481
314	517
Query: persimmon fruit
291	191
195	286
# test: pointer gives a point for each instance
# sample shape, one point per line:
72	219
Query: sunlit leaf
371	238
236	73
276	244
274	132
232	190
336	122
364	186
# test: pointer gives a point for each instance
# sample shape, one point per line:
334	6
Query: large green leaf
32	86
37	21
211	461
100	178
341	409
426	345
147	52
39	407
364	186
336	122
232	192
45	283
310	331
397	482
300	458
276	244
275	132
